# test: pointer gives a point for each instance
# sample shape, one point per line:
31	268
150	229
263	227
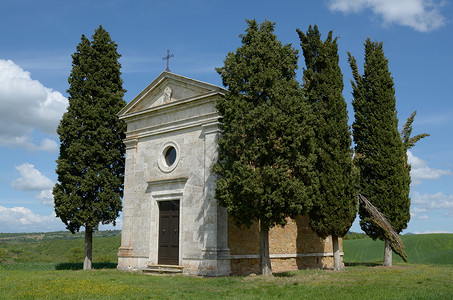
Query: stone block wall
292	247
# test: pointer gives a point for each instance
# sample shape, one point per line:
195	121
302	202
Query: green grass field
420	249
408	282
42	268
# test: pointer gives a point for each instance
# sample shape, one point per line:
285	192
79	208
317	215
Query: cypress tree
406	133
90	166
409	142
265	151
380	153
334	202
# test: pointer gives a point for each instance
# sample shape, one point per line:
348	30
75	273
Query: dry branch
389	232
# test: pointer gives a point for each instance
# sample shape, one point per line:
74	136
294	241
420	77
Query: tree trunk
387	254
338	265
88	248
265	260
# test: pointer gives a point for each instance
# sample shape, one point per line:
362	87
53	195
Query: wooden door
168	233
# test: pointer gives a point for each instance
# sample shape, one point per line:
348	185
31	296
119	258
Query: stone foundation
127	261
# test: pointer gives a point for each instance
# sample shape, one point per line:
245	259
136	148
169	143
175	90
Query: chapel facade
170	215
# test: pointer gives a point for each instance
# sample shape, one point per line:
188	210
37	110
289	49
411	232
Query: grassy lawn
57	247
420	249
400	282
48	267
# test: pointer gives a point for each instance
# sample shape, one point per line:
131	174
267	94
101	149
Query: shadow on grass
79	266
283	274
363	264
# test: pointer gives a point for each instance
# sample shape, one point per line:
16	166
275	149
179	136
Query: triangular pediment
168	88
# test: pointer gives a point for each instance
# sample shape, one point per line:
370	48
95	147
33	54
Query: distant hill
420	249
57	247
354	236
56	235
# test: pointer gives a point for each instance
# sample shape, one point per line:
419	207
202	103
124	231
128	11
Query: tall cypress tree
265	151
406	133
380	152
90	166
334	202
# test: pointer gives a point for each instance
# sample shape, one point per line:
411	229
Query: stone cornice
167	189
211	119
182	179
131	143
170	107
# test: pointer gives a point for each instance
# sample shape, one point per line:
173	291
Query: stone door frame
165	190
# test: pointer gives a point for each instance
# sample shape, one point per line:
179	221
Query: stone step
163	269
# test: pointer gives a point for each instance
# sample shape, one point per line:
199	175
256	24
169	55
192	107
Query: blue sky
39	37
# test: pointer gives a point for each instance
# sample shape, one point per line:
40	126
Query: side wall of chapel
292	247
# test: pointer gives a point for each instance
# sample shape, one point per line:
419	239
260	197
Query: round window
170	156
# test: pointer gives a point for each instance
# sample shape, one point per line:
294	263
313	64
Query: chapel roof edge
166	75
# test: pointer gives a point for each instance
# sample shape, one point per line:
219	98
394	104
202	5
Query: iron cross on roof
168	59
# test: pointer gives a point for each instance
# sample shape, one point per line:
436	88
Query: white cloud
435	231
421	15
418	210
119	224
347	6
27	105
433	201
415	211
21	219
47	145
426	202
31	179
420	170
46	197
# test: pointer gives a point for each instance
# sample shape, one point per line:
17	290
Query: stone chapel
170	216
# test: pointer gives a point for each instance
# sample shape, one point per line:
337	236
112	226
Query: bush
2	255
354	236
75	255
